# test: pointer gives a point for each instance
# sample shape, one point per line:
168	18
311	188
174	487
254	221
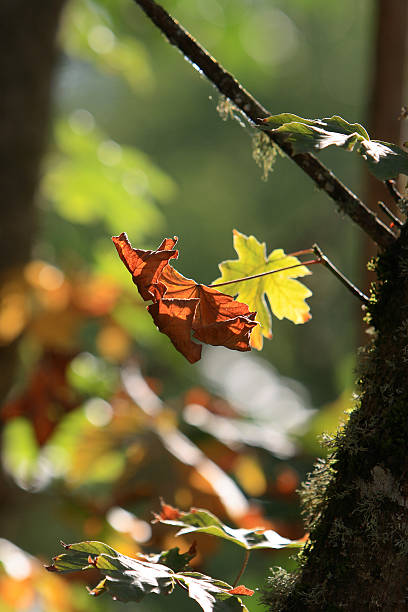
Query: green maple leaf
385	160
198	520
286	296
132	579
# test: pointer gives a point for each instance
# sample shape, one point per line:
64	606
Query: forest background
138	144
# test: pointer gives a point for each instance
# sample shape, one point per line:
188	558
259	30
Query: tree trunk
388	95
356	504
27	57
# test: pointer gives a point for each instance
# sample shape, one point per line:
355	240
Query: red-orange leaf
231	333
174	318
183	308
214	305
219	319
167	513
145	266
241	590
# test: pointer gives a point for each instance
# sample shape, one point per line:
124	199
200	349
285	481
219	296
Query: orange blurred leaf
47	397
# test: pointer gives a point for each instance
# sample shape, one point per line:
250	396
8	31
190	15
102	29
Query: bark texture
388	95
27	57
356	504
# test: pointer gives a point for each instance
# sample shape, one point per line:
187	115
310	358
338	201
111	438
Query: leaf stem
246	278
326	262
243	567
392	188
297	253
390	214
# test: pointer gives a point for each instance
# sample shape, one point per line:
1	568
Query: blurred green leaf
95	179
92	376
88	34
20	450
328	420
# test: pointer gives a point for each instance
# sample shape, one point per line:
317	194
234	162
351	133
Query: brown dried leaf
183	308
145	266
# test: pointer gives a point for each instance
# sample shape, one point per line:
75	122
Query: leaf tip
122	236
92	560
241	590
167	513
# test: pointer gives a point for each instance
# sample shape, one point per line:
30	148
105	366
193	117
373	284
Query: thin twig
243	567
348	203
326	262
390	214
392	188
297	253
247	278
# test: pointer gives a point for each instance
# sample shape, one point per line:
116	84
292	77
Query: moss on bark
356	504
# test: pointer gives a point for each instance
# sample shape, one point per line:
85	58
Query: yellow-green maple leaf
286	295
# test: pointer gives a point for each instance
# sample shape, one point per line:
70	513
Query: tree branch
348	203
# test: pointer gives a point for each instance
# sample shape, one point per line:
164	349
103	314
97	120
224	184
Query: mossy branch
227	85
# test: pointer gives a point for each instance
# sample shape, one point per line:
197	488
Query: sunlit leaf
384	160
131	579
183	308
198	520
213	594
286	296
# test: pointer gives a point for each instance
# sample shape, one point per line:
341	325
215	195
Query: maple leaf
182	308
286	296
145	266
175	319
198	520
132	579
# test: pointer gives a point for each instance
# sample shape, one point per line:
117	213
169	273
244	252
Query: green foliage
129	579
384	160
89	34
203	521
94	179
92	376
